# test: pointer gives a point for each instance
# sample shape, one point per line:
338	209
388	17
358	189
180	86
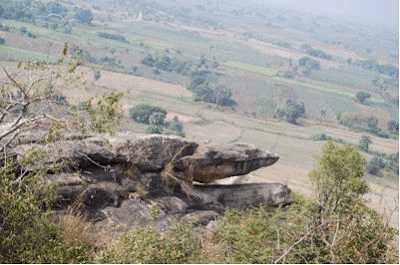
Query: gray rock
210	163
242	195
199	217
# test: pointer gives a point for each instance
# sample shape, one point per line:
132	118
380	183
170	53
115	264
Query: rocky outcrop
116	180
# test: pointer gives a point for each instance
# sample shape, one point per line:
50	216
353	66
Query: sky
370	12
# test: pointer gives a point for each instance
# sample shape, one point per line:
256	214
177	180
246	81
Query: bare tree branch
291	247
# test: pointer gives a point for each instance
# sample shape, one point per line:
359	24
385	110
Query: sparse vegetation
362	123
293	111
334	225
110	36
142	112
362	96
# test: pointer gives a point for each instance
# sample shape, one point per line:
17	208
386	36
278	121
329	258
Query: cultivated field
256	57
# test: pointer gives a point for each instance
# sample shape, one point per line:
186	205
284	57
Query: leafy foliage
362	96
360	122
393	126
145	245
112	36
338	179
142	112
106	113
83	16
27	235
384	162
293	111
201	85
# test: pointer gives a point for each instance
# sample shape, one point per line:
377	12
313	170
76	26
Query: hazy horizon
369	12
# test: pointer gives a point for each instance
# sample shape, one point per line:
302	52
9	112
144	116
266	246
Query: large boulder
210	163
115	180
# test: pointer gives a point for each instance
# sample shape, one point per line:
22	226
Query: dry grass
75	231
171	179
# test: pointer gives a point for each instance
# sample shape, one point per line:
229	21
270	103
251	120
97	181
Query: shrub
106	113
375	165
112	36
145	245
293	111
393	126
363	144
362	96
142	112
2	41
319	137
338	178
27	235
84	16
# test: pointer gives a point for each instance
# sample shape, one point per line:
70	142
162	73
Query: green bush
105	113
145	245
112	37
319	137
142	112
154	129
362	96
293	111
27	234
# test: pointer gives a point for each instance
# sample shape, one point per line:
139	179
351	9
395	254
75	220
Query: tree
375	165
322	115
142	112
223	96
84	16
30	96
338	179
393	126
294	110
362	96
363	144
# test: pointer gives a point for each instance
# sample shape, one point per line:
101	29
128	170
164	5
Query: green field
251	68
14	54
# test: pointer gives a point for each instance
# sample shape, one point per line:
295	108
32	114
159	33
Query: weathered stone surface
153	152
242	195
172	204
210	163
199	217
112	180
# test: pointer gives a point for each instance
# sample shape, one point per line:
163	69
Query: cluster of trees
308	62
25	31
373	65
155	117
29	11
360	122
309	65
334	225
315	53
110	36
380	163
168	63
201	84
293	111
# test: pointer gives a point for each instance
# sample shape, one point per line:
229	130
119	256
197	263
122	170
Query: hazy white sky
372	12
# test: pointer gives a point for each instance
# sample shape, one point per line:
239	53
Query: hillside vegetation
221	72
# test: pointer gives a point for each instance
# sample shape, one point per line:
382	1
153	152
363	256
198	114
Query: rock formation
115	179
